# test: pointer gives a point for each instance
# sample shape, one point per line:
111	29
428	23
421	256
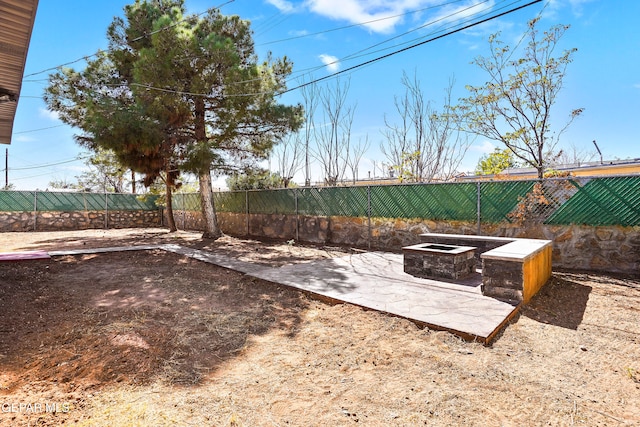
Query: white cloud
484	147
475	153
461	12
298	33
332	63
23	138
51	115
466	13
283	6
553	7
383	13
382	16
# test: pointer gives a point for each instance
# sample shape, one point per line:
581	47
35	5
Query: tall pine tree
183	93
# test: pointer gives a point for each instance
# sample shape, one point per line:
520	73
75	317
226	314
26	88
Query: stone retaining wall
77	220
576	247
610	249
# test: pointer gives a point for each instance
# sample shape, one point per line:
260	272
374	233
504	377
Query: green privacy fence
589	201
562	201
602	201
49	201
499	199
455	201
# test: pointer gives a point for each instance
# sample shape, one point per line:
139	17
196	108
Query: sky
323	37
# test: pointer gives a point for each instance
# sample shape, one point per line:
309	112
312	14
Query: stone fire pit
433	260
513	269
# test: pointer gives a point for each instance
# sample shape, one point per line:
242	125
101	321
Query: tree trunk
211	229
170	219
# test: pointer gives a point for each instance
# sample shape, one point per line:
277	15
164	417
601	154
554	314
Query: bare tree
574	155
427	144
310	96
355	156
398	144
447	143
289	155
333	138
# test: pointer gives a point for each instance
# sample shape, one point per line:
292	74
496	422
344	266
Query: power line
525	33
275	24
473	24
353	55
361	52
30	176
411	47
443	18
352	68
37	130
176	23
360	65
84	58
359	24
49	164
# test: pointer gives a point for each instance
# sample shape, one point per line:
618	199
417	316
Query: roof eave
17	18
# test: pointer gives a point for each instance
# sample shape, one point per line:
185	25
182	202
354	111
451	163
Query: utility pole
597	148
6	169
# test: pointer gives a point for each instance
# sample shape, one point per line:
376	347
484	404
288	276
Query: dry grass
157	339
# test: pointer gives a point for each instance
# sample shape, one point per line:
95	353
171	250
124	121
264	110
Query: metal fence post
184	213
295	195
478	209
246	207
369	215
35	211
106	209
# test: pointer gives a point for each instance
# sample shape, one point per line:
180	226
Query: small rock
583	348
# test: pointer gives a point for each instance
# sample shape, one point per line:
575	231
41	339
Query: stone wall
77	220
610	248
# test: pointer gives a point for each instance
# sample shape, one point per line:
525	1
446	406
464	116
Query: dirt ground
150	338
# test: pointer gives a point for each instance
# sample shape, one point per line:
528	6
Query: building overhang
16	25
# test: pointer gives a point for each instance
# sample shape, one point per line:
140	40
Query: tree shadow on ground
267	252
93	320
270	253
90	241
561	302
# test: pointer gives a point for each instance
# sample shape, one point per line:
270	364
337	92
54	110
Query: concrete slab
103	250
23	255
374	280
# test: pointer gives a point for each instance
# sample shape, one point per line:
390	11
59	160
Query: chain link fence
600	201
50	201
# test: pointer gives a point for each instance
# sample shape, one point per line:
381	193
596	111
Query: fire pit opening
431	260
440	247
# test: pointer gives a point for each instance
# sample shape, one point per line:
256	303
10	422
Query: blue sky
604	78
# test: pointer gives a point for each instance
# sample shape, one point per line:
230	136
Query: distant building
607	168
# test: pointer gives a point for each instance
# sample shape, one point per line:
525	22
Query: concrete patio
372	280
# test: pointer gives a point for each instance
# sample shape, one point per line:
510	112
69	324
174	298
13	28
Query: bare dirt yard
151	338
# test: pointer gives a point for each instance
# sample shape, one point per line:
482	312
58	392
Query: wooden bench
513	269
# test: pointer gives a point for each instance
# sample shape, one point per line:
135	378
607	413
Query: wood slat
16	24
